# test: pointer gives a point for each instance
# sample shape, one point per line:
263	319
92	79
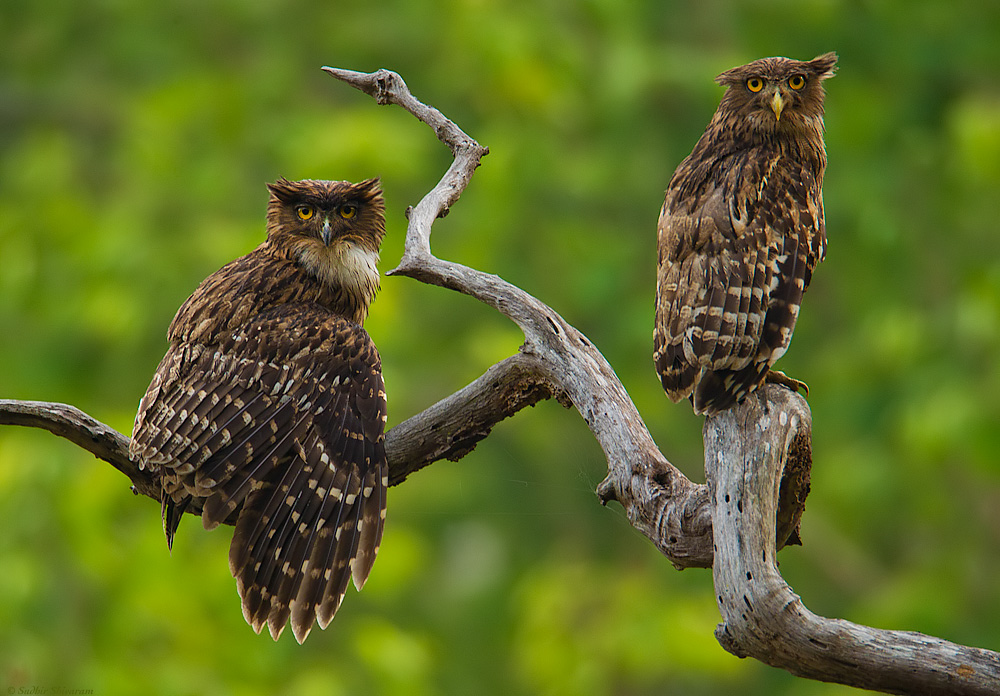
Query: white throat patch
343	264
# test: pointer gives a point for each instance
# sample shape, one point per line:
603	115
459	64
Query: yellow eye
755	84
304	212
347	211
797	81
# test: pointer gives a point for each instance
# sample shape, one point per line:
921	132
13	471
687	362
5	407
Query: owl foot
776	377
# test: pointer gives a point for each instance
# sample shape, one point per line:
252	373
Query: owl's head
774	95
328	212
333	229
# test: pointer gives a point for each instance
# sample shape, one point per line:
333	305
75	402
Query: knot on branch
728	642
387	85
665	506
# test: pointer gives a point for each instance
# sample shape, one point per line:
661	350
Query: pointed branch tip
382	84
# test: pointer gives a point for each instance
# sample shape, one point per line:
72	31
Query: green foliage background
135	139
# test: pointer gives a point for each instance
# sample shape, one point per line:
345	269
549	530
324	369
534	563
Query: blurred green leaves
135	141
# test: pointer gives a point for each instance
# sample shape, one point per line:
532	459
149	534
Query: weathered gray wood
63	420
451	428
746	451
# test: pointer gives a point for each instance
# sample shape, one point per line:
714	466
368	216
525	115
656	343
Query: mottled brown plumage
269	406
740	232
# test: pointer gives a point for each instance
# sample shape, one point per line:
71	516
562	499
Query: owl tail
719	390
304	533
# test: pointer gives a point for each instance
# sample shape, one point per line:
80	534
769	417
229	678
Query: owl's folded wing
285	418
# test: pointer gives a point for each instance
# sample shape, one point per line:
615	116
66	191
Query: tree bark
758	458
746	451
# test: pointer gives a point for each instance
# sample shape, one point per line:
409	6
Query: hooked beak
327	233
777	104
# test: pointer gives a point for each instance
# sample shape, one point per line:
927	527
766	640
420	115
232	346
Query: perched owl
269	406
740	233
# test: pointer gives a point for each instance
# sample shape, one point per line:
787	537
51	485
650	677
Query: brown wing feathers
315	521
295	439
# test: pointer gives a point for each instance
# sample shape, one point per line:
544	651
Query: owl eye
797	81
347	211
304	212
755	84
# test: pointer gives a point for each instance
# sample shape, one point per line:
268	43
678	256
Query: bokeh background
135	140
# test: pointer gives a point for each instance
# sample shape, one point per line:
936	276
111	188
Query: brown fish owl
740	233
269	406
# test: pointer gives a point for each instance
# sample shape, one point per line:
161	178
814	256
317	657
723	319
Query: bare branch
102	441
388	87
673	512
746	451
451	428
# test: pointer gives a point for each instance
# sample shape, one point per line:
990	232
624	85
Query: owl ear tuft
369	188
283	189
730	77
823	66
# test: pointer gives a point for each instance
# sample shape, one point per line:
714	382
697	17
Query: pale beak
777	104
327	233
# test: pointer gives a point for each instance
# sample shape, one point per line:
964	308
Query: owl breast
344	266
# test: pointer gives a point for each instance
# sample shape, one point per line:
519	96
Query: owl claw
776	377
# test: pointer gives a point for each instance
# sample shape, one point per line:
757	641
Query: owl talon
777	377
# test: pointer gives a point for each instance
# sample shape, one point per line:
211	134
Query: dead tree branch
747	450
757	461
